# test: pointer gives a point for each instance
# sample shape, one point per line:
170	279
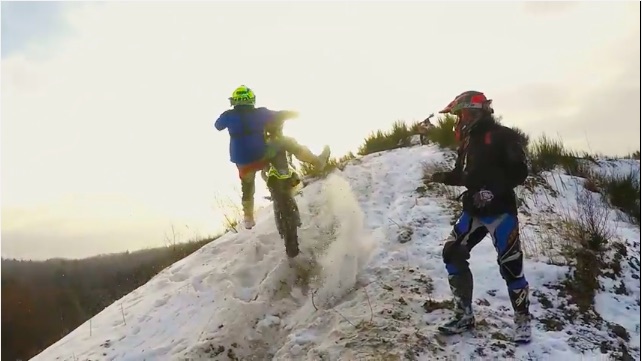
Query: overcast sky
108	107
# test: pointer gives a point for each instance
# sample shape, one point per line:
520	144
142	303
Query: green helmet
242	96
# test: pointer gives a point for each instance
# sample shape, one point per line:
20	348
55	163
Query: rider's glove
482	198
438	177
290	114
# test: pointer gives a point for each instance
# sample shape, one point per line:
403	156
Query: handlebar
427	120
275	130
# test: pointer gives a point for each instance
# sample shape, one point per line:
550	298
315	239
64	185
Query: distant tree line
42	301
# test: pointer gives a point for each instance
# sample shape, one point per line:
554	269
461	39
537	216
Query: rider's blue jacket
246	126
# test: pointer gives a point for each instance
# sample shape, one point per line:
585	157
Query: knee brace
511	267
455	257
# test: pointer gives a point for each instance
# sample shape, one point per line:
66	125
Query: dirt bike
282	181
424	127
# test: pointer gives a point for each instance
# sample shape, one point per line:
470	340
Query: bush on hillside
547	154
232	213
397	137
593	253
635	155
444	132
623	192
592	223
587	236
308	170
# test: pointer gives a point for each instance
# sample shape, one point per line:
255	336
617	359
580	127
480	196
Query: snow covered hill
377	231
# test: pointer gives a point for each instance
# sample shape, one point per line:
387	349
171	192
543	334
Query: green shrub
444	132
307	170
414	128
397	137
585	240
623	192
547	154
634	155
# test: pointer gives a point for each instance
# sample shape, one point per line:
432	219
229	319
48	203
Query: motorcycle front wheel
286	216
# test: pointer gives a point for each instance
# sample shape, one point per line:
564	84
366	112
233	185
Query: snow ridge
371	296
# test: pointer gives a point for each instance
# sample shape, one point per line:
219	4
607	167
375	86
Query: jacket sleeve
274	119
454	177
221	122
283	115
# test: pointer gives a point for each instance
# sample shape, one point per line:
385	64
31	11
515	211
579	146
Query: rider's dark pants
247	172
466	234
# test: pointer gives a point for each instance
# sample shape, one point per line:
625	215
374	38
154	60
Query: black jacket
493	158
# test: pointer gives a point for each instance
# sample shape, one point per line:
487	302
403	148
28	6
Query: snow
236	298
617	167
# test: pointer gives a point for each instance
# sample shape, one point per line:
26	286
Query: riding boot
305	155
522	318
461	285
248	214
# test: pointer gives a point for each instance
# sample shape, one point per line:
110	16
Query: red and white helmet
468	107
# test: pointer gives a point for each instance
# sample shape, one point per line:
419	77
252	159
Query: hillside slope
377	232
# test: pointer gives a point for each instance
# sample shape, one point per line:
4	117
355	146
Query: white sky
107	132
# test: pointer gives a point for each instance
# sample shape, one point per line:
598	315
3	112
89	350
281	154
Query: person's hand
291	114
438	177
482	198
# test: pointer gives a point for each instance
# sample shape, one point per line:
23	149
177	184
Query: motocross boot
461	286
319	161
520	302
248	214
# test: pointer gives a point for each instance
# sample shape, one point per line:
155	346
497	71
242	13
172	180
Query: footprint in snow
161	301
178	277
175	269
161	283
245	278
197	282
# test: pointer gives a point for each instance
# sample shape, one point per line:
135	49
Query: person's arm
283	115
274	118
221	122
453	177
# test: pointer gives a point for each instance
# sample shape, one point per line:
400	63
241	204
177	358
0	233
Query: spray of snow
338	237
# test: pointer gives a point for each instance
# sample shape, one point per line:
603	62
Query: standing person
424	128
491	162
249	150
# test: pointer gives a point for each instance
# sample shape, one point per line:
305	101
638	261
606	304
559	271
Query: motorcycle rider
424	128
491	162
249	150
